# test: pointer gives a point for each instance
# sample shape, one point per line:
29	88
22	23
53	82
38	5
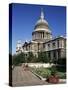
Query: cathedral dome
41	24
41	31
42	21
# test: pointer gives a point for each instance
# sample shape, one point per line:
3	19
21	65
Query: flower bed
44	72
47	72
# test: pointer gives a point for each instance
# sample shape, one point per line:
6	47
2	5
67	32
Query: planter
53	79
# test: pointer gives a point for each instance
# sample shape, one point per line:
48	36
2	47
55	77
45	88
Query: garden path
21	77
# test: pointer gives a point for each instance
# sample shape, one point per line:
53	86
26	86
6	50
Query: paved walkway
24	78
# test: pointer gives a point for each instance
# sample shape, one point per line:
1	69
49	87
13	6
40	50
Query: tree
61	64
18	59
62	61
42	57
30	57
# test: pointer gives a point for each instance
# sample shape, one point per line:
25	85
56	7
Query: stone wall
38	65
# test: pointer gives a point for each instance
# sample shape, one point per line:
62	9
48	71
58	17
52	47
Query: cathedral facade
42	41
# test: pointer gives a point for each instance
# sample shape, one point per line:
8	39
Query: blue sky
24	18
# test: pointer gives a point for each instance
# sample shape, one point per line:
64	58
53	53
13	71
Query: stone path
21	77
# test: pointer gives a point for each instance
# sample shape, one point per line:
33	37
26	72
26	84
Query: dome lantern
42	14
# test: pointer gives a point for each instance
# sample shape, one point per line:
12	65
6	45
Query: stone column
35	35
57	55
41	35
45	35
38	36
51	55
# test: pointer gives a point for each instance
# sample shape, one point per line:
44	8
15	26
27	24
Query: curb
40	77
62	80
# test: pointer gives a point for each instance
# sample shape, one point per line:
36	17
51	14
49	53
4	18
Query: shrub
31	58
61	75
44	72
61	68
62	61
53	70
